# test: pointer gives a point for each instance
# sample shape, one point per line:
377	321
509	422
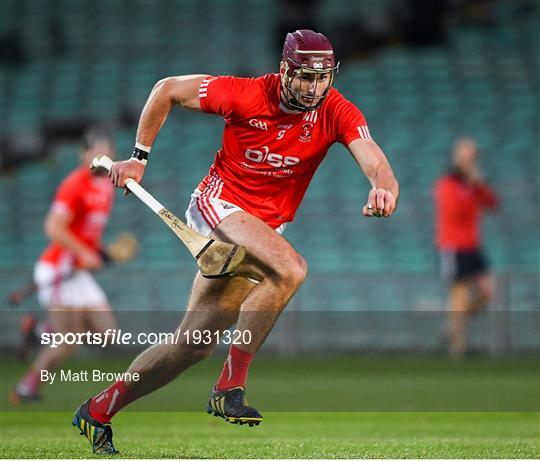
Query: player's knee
293	272
197	350
301	271
486	293
486	289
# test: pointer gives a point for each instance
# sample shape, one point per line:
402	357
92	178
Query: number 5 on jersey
281	134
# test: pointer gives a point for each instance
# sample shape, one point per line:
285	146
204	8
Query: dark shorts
462	265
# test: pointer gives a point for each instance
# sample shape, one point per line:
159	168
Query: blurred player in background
65	286
278	128
461	196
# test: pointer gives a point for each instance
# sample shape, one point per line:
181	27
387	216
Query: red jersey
269	154
459	206
88	199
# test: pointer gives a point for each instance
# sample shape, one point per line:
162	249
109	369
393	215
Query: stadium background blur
422	77
422	74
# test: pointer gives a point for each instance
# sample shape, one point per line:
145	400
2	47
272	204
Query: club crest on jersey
305	135
310	119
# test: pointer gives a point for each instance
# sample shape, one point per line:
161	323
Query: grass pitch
283	435
404	408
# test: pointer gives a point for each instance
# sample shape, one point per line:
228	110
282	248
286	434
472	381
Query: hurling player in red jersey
278	128
461	196
65	286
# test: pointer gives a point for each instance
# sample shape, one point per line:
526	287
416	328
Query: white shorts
57	287
205	212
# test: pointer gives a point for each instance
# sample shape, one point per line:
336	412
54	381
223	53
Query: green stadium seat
416	101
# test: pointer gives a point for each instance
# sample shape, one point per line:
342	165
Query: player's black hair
94	135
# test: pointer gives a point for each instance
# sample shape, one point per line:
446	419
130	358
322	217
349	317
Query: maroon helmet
306	54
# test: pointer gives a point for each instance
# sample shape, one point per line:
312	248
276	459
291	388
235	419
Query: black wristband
140	155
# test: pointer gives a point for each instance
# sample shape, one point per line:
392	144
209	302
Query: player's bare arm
182	90
383	197
57	229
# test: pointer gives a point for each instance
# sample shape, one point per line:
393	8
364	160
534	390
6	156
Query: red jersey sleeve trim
349	122
363	133
203	89
217	95
203	94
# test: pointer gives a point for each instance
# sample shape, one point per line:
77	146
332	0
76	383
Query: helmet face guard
293	97
306	54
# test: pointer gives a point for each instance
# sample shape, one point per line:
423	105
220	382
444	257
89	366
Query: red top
269	155
88	199
459	206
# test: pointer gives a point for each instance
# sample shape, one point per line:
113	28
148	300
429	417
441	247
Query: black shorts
461	265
